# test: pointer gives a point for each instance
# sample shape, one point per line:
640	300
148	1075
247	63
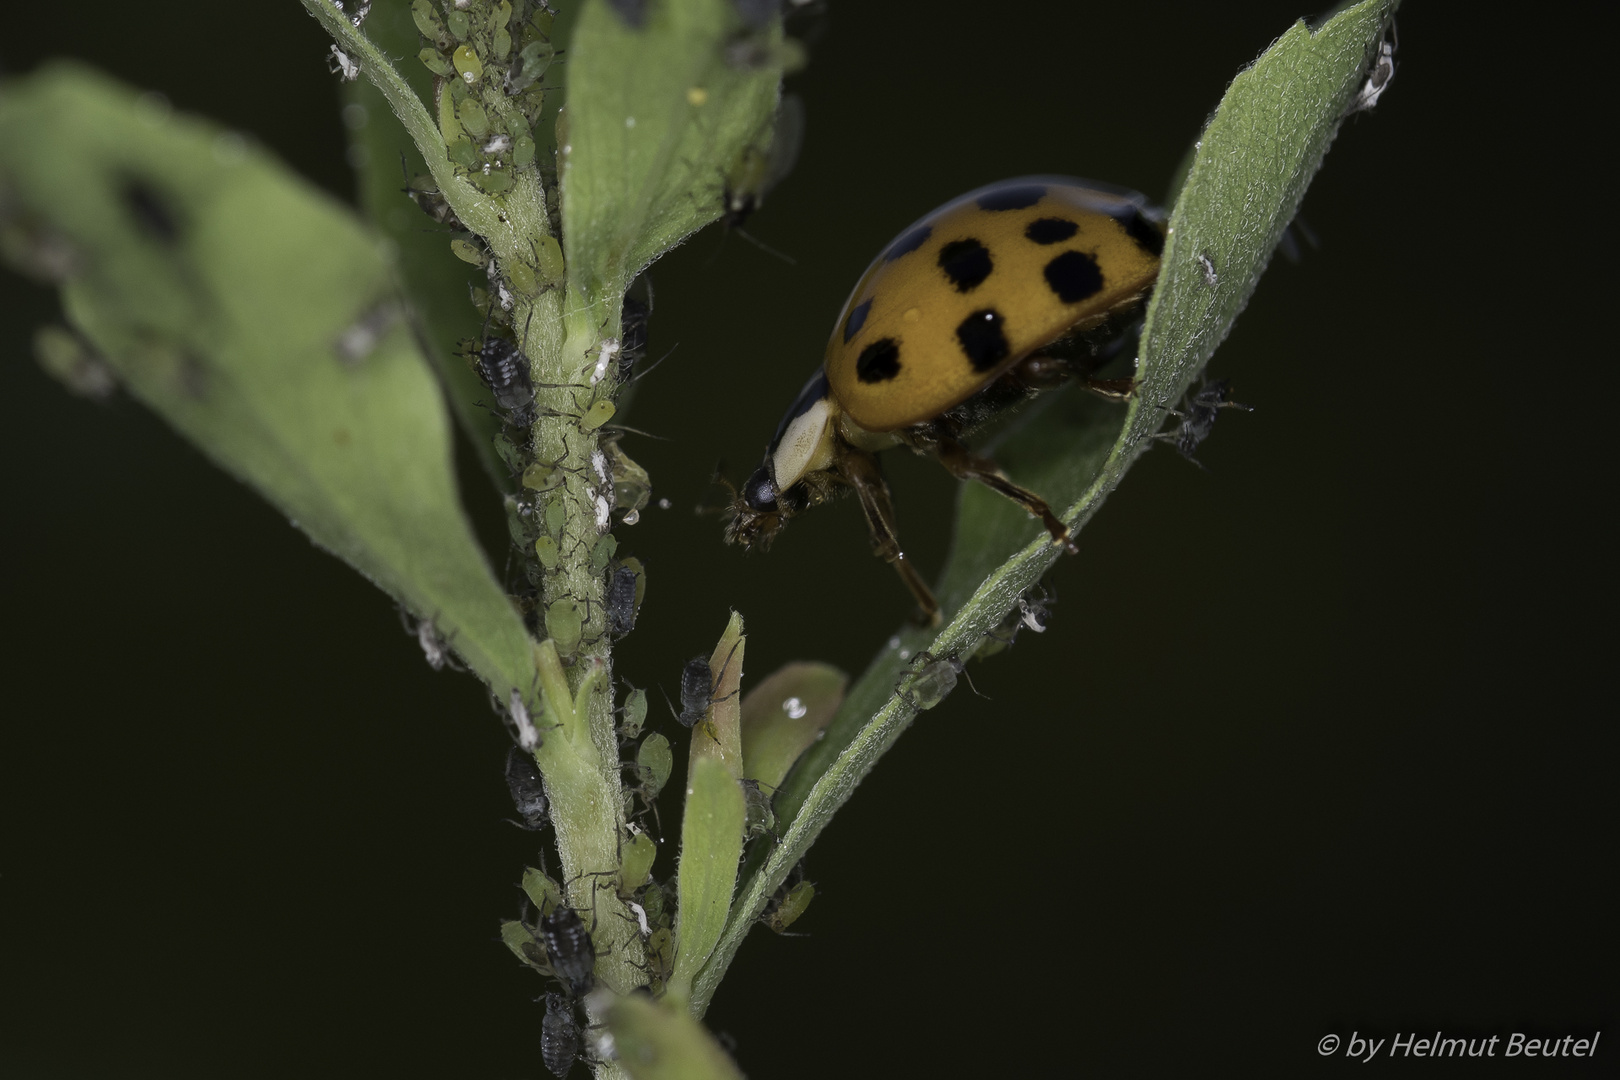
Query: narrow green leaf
784	715
1258	154
711	844
653	1041
260	319
649	110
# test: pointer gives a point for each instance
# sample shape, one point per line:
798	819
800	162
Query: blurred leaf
654	1041
432	277
1258	154
260	319
784	715
711	845
649	112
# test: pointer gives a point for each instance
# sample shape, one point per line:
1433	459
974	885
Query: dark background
1319	740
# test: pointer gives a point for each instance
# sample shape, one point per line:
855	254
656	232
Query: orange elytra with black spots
1007	291
980	283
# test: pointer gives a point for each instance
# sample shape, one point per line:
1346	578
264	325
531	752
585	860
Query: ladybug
1009	290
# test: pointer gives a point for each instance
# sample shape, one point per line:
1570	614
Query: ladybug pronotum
1009	290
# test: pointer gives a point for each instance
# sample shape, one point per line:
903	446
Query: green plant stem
580	763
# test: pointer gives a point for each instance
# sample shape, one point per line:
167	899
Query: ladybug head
759	510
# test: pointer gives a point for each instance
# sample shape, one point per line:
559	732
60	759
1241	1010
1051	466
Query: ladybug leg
861	470
964	465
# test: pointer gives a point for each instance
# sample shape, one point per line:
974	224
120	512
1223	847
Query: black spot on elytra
1051	230
857	319
910	242
966	262
879	361
982	339
1074	276
1146	234
1013	198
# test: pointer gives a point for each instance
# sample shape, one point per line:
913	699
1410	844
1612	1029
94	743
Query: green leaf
649	110
652	1041
1258	154
711	845
260	319
784	715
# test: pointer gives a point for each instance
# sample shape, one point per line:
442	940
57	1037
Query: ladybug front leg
965	466
860	469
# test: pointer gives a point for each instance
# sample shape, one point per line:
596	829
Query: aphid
505	370
570	949
789	901
758	169
559	1035
758	816
1009	290
528	790
934	681
633	714
360	338
428	199
528	738
621	601
71	360
697	690
434	648
633	333
1197	415
1379	74
1031	614
343	64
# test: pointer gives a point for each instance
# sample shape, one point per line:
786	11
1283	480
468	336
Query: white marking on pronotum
610	349
641	917
528	737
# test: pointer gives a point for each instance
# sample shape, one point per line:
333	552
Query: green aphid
787	905
633	715
436	63
636	864
603	552
544	893
564	626
654	761
598	414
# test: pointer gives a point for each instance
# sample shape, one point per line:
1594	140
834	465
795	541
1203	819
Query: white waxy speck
610	349
664	504
603	511
528	737
905	654
794	708
894	642
600	466
641	917
629	121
